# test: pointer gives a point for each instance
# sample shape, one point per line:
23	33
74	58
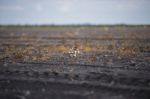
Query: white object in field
73	52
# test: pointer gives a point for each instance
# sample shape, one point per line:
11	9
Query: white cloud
39	7
66	5
11	7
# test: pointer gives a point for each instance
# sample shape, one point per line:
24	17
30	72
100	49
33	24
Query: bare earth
42	63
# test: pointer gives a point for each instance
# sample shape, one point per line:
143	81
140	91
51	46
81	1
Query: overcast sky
74	11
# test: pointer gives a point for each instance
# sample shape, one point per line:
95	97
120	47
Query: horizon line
82	24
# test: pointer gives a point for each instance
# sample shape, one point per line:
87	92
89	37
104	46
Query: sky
74	12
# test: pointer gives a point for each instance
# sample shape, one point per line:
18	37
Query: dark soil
90	75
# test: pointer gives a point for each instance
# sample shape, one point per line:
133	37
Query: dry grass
38	52
43	53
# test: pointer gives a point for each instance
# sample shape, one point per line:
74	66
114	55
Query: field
75	62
